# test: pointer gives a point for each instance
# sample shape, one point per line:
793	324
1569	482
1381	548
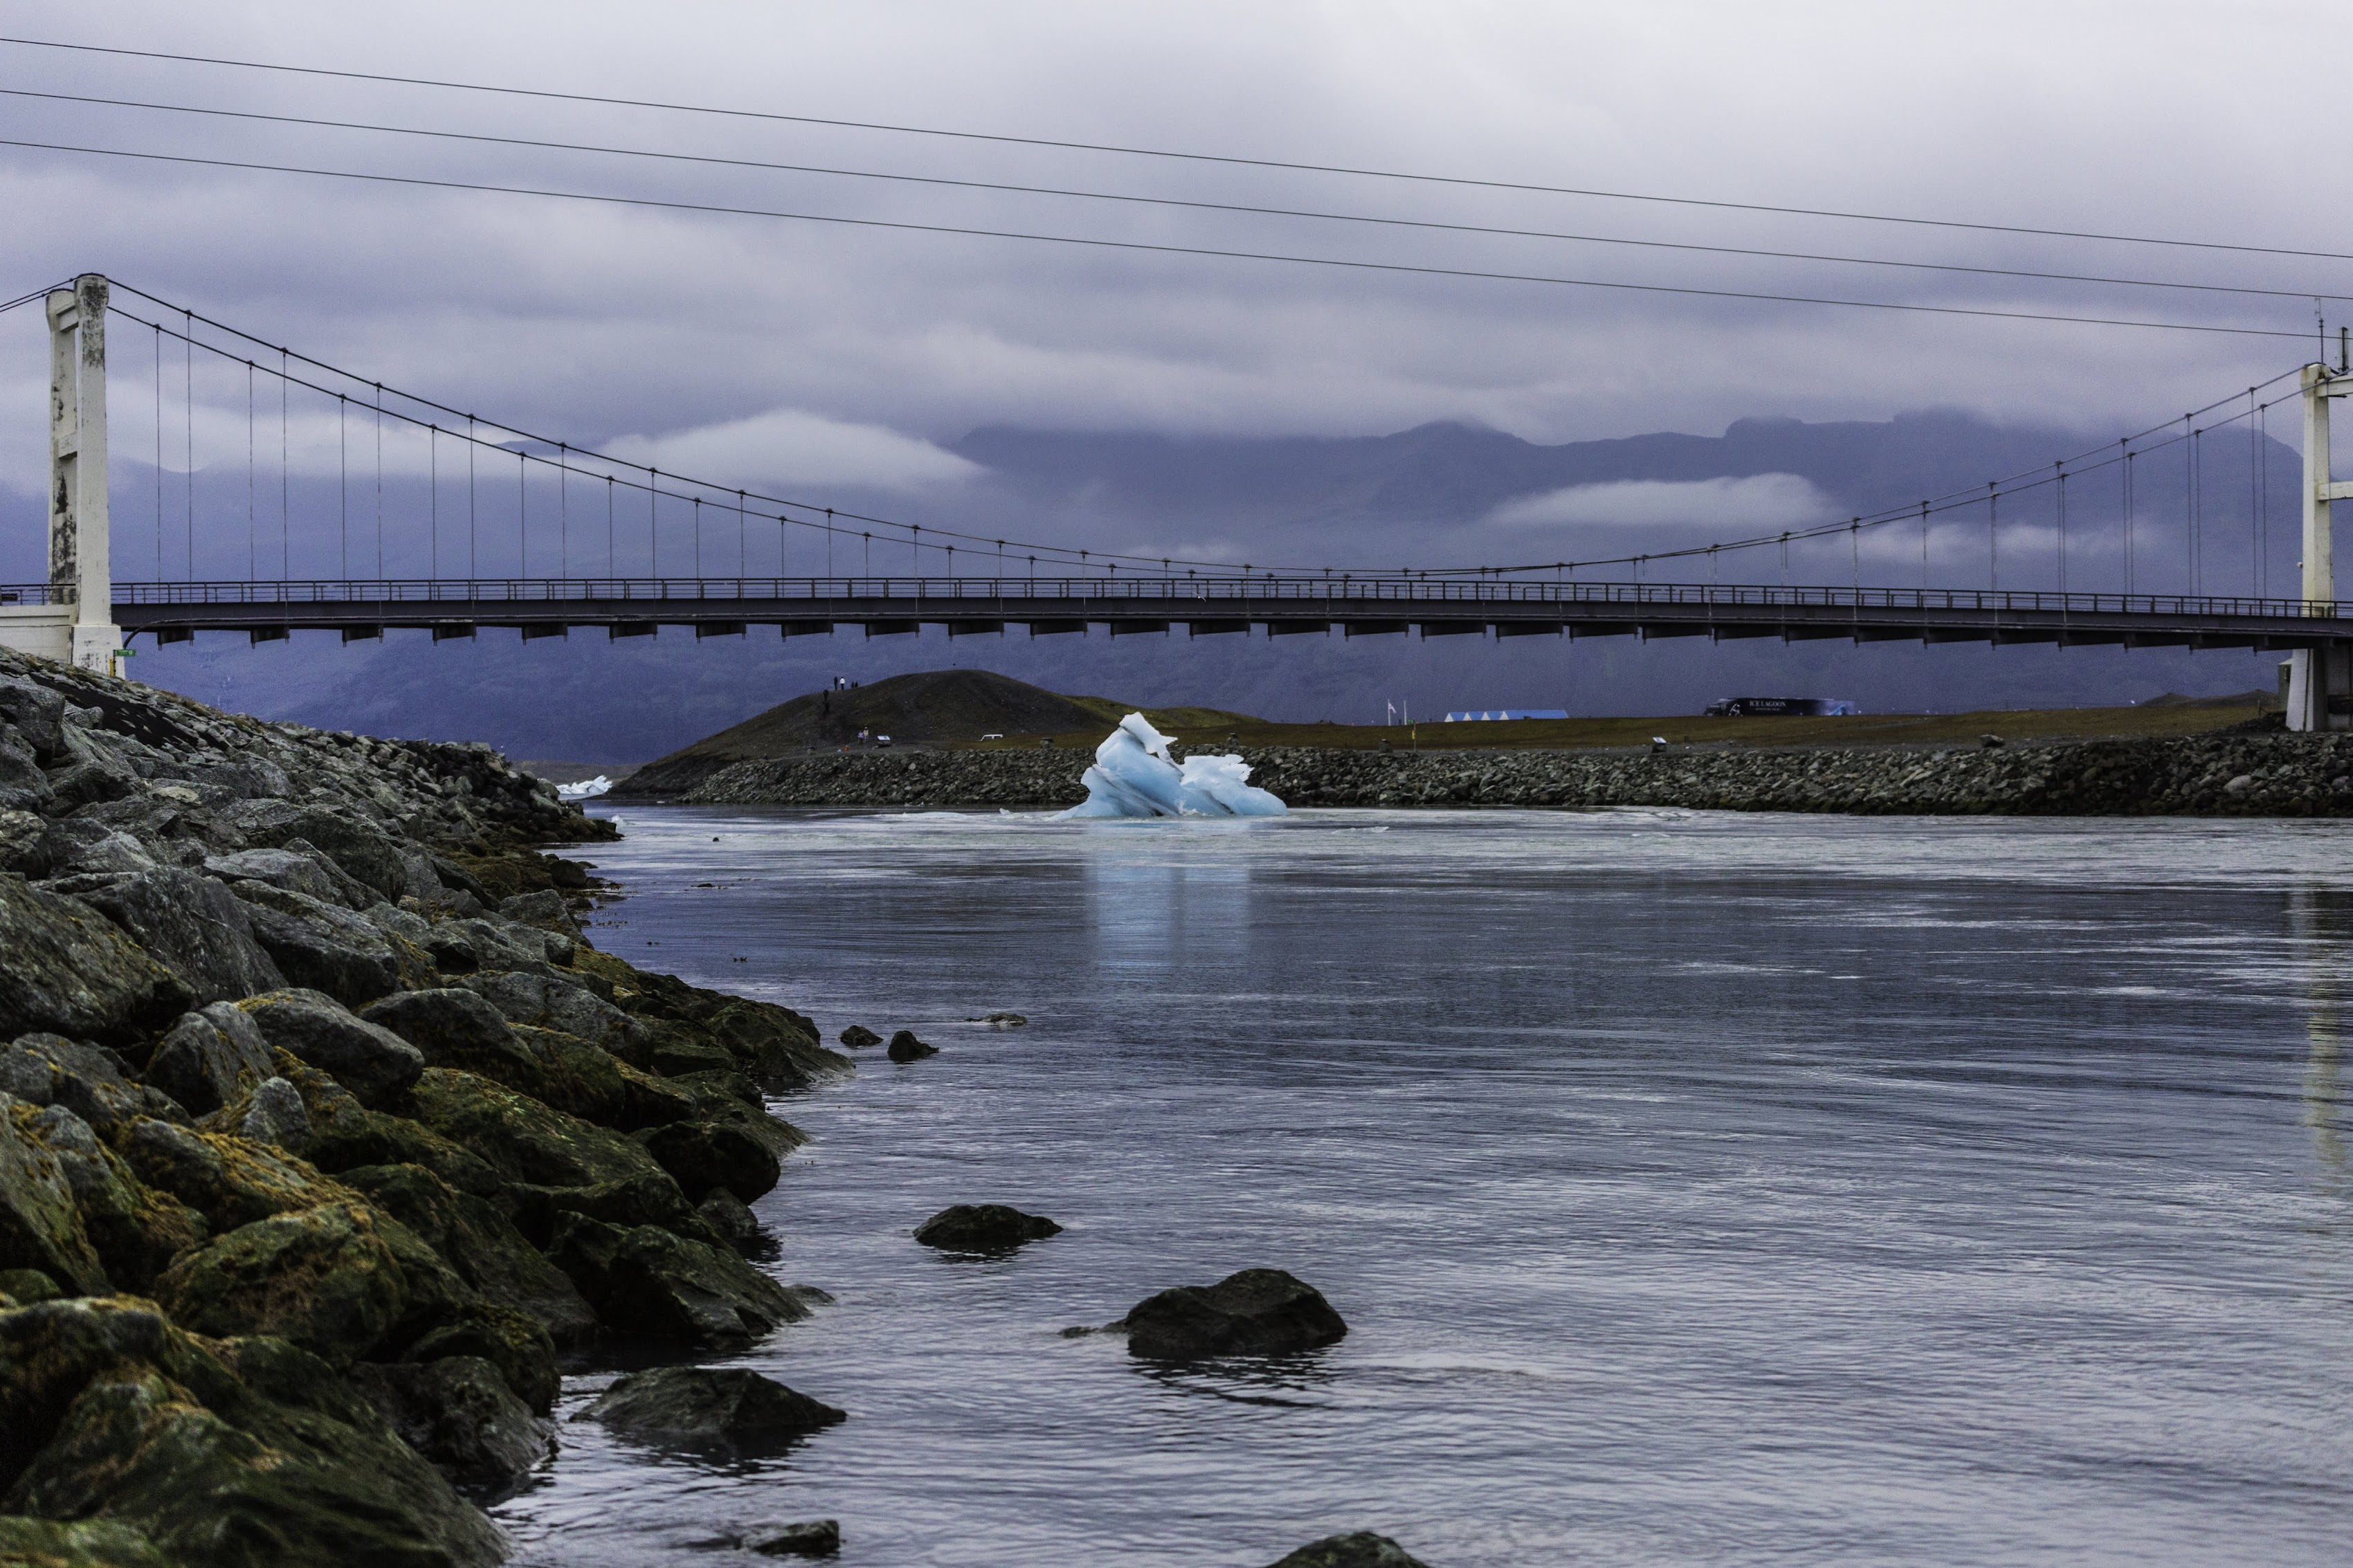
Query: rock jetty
2222	774
324	1131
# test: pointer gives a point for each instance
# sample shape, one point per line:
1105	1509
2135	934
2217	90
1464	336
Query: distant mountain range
1438	494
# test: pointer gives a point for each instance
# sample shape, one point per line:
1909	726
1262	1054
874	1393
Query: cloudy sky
766	350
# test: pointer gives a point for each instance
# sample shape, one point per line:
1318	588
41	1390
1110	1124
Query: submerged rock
726	1409
1258	1311
1362	1549
803	1537
857	1038
983	1228
905	1048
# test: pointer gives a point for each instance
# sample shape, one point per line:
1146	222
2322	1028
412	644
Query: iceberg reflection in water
1134	775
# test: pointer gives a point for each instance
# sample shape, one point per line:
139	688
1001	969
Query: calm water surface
1699	1188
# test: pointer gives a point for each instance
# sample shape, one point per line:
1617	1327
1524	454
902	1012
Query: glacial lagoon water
1699	1189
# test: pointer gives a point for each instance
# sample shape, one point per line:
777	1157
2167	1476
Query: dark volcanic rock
332	1279
1258	1311
458	1413
801	1538
1362	1549
983	1228
905	1048
701	1407
322	947
482	1245
210	1056
857	1038
370	1060
224	1455
41	1227
195	926
65	968
457	1028
88	1080
646	1280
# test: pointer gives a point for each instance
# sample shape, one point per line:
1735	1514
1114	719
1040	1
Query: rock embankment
324	1131
2210	775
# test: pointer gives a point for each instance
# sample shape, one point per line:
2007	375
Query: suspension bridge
82	614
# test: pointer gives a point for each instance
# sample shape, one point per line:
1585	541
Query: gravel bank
2216	775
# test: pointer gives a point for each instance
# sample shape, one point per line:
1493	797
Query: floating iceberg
1134	776
586	789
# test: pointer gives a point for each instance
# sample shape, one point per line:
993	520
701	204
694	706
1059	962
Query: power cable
1246	209
1227	159
1142	245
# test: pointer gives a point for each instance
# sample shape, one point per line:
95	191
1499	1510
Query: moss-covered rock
460	1415
41	1227
65	968
455	1028
136	1230
85	1543
521	1137
482	1245
729	1410
516	1345
231	1181
336	1279
648	1281
225	1456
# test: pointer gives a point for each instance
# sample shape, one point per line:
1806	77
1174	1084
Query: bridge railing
1178	595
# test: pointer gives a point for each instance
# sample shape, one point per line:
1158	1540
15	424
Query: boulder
548	1001
25	1287
732	1155
1363	1549
222	1454
36	711
652	1199
88	1080
525	1140
460	1415
544	909
210	1056
482	1245
345	1136
984	1229
295	869
326	948
335	1279
516	1345
366	1059
275	1114
230	1180
905	1048
66	969
726	1410
857	1038
737	1226
1258	1311
648	1282
136	1230
195	927
24	844
367	853
41	1227
454	1027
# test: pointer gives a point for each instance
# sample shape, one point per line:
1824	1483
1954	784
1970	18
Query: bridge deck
1353	605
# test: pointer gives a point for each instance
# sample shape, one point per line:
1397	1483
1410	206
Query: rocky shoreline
325	1135
2223	774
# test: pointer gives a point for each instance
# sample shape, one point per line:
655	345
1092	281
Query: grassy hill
936	708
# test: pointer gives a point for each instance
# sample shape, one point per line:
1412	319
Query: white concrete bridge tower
77	622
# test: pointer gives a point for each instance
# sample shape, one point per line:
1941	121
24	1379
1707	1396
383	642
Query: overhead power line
1228	160
542	144
1145	247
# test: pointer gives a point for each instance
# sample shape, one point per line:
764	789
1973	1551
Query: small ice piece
1133	776
586	789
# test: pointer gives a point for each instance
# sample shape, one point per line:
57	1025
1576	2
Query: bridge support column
2320	685
76	624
